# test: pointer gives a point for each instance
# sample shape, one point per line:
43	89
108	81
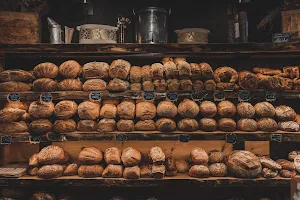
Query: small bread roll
245	110
90	156
285	113
95	70
184	69
188	109
157	71
216	156
218	170
267	124
208	124
226	109
269	173
198	85
195	71
145	125
112	156
13	86
171	70
199	171
182	166
289	126
40	109
64	126
106	125
125	125
88	110
113	171
156	155
135	74
45	70
210	85
146	73
173	85
108	111
132	172
126	110
199	156
86	125
160	85
188	125
40	127
131	157
249	125
206	71
117	85
165	125
94	85
71	170
65	109
264	109
166	109
145	110
70	85
135	87
227	124
208	109
90	171
119	69
148	86
70	69
186	84
45	85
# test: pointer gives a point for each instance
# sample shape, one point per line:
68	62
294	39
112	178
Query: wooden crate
291	23
19	28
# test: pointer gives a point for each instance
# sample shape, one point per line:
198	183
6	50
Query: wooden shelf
28	181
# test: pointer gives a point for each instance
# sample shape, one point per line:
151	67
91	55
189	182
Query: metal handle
170	11
133	11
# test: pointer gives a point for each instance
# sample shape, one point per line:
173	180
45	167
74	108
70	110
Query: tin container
192	36
97	34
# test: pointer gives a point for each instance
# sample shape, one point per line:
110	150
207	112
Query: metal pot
151	25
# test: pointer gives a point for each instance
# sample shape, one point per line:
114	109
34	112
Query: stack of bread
157	158
131	158
45	73
70	72
16	81
199	163
217	168
270	167
114	169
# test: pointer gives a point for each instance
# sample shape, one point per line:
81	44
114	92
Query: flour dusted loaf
106	125
173	85
289	126
145	110
148	86
269	163
70	69
125	125
65	109
225	74
95	70
208	109
199	171
188	109
16	75
170	70
165	125
145	125
90	171
267	124
285	113
243	164
208	124
157	71
135	75
50	171
218	170
108	111
264	109
206	71
188	125
45	85
113	171
226	109
198	85
13	86
131	157
45	70
71	84
52	155
11	114
13	127
71	170
33	160
40	109
88	110
195	71
64	126
269	173
157	155
248	80
227	124
198	156
126	110
160	85
132	172
166	109
245	110
249	125
86	125
112	155
119	69
94	85
146	73
216	156
158	171
90	156
40	126
184	69
117	85
182	166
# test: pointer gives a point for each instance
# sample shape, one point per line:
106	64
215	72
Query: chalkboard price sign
184	138
244	96
281	37
219	95
46	97
276	137
13	97
6	139
198	96
34	139
95	96
270	96
231	138
149	96
172	96
121	137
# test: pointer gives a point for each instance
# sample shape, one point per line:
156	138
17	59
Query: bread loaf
188	109
132	172
248	80
269	173
90	156
225	74
166	109
264	109
106	125
182	166
208	109
88	110
293	154
165	125
146	73
108	111
198	85
145	110
208	124
226	124
285	113
195	71
40	109
249	125
64	126
16	75
45	70
71	84
146	171
216	156
245	110
11	114
95	70
227	86
125	125
131	157
86	125
188	125
17	104
287	174
126	110
71	170
289	126
94	85
269	163
170	70
112	156
52	155
70	69
292	71
184	69
113	171
173	85
206	71
158	171
199	171
145	125
115	102
65	109
226	109
90	171
186	84
198	156
117	85
26	117
298	119
33	160
135	87
157	155
119	69
267	124
170	167
218	170
160	85
285	164
45	85
13	127
40	127
157	71
243	164
179	59
266	71
42	196
135	75
148	86
33	171
12	86
50	171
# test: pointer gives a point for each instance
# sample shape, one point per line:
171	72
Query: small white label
236	30
297	163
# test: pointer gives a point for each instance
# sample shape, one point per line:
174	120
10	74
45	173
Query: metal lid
152	9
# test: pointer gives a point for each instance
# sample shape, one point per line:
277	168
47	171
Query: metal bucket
151	25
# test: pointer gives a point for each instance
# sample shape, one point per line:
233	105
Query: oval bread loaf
70	69
90	156
45	70
70	84
90	171
131	157
16	75
65	109
95	70
64	126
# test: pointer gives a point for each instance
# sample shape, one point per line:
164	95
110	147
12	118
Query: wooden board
21	152
259	147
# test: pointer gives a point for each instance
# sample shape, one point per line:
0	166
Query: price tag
231	138
13	97
297	163
184	138
121	137
54	137
149	96
198	96
219	95
244	96
95	96
46	97
276	137
172	96
6	139
270	96
34	139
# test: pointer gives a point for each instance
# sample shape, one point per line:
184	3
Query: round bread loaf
64	126
52	155
90	156
33	160
165	125
12	86
94	85
160	85
70	69
198	156
113	171
195	71
269	173
145	110
157	71
135	87
285	113
186	85
132	172
148	86
40	127
146	73
208	124
119	69
249	125
173	85
248	80
289	126
225	74
125	125
216	156
45	70
112	156
156	155
86	125
226	109
145	125
17	104
32	171
108	111
287	174
170	70
206	71
88	110
13	127
50	171
245	110
267	124
42	196
65	109
115	102
106	125
264	109
135	75
126	110
210	85
293	154
158	171
226	124
199	171
184	69
188	109
11	114
188	125
218	170
71	170
117	85
166	109
208	109
40	109
90	171
16	75
45	85
131	157
146	171
71	84
182	166
269	163
198	85
243	164
95	70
